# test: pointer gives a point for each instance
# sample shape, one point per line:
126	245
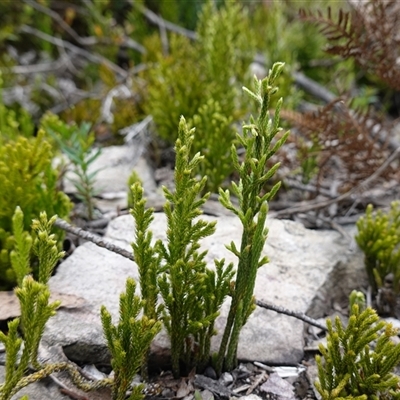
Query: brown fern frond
369	33
349	152
331	29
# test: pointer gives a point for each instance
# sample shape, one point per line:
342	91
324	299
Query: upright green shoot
21	255
351	366
34	302
34	296
259	145
192	293
146	257
128	341
379	238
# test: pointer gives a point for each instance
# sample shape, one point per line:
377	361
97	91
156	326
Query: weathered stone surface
99	276
115	164
278	387
307	270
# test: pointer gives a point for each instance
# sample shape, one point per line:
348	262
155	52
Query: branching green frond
128	341
350	365
259	145
20	257
35	312
379	238
45	246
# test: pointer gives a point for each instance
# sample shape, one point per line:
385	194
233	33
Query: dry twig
60	223
312	87
97	240
162	23
93	57
294	314
315	205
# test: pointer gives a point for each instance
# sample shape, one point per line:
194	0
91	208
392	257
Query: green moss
359	359
29	181
202	80
379	238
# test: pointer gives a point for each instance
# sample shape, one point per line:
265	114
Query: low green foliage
260	144
128	341
214	136
34	302
203	79
27	180
14	122
192	293
379	238
76	142
358	361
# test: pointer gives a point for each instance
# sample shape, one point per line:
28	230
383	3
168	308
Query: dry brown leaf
9	305
183	390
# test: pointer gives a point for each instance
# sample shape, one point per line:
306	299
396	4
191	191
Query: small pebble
226	379
206	395
93	372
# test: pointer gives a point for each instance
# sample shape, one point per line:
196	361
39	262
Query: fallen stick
60	223
294	314
315	205
97	240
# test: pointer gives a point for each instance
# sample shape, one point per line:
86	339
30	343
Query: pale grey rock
226	379
251	397
115	164
100	276
277	386
307	270
206	395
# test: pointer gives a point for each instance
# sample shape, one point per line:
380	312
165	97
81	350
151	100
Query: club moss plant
379	238
261	139
358	360
352	366
128	341
27	180
193	292
33	296
204	78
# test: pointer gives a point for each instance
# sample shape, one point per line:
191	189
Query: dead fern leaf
369	33
350	151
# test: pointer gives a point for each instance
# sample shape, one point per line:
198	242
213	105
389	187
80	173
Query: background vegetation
84	72
77	75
